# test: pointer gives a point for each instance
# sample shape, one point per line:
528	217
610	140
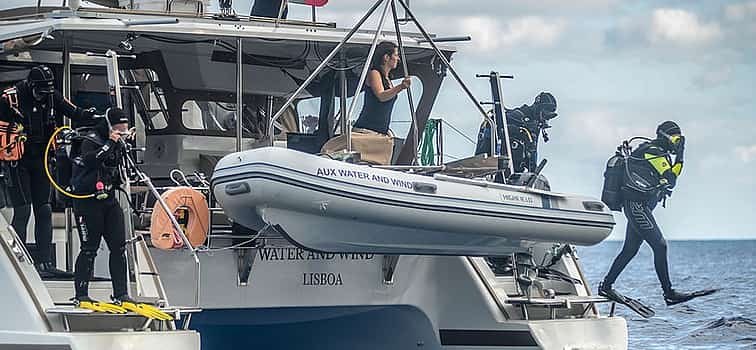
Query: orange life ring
189	206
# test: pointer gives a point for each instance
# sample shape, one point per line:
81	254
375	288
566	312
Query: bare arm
375	83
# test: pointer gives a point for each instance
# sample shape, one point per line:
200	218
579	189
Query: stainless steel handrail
363	76
317	70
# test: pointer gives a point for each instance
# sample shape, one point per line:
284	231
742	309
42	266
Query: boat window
307	112
214	116
401	118
210	115
11	74
147	96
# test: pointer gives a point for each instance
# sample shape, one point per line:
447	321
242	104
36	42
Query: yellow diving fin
145	310
97	306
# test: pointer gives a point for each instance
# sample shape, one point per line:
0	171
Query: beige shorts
374	147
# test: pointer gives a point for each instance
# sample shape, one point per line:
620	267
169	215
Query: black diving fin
678	298
636	305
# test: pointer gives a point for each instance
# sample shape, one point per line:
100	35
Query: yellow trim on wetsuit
677	169
659	163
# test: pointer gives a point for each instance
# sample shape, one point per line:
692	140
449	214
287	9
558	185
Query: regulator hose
47	168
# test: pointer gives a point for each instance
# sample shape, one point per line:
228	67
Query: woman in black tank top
379	94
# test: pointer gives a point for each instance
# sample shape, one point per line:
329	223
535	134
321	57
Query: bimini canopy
200	54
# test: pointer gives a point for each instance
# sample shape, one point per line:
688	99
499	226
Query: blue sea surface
724	320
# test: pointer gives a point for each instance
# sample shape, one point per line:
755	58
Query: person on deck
380	94
370	133
525	125
97	169
35	107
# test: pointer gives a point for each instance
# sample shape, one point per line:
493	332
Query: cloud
603	130
746	154
681	27
741	12
489	33
714	77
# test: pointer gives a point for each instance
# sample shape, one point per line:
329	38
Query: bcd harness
619	175
12	137
69	157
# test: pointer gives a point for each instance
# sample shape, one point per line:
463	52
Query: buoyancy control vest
83	179
629	175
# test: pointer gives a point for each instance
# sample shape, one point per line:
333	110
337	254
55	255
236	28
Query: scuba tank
614	176
623	179
63	148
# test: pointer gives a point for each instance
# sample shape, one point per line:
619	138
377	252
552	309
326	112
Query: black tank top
376	115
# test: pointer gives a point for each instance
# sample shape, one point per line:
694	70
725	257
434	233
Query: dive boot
673	297
142	309
606	290
97	306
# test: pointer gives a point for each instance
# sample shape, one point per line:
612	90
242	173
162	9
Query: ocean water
724	320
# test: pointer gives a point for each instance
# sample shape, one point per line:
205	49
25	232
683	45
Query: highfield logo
517	198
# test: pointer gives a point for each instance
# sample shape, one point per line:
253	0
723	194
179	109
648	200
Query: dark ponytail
383	48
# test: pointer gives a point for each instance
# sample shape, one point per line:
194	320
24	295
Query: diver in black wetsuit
38	107
651	175
525	125
97	169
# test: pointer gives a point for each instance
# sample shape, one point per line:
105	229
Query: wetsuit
98	160
376	115
28	186
651	176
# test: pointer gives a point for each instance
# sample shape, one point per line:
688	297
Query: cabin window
210	115
217	116
401	118
147	97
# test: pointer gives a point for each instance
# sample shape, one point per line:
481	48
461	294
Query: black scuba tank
614	174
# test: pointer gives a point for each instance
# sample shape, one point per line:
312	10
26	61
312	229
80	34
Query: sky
617	70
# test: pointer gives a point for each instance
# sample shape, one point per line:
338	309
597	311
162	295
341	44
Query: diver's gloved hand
145	310
680	149
97	306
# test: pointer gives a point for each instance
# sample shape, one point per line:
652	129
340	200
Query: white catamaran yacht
303	251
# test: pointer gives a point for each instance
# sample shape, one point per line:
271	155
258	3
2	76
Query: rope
427	151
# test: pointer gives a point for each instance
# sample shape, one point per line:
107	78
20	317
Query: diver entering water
34	107
525	125
97	160
650	176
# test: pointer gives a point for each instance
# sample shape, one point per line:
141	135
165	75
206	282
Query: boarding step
530	306
83	320
565	301
62	291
